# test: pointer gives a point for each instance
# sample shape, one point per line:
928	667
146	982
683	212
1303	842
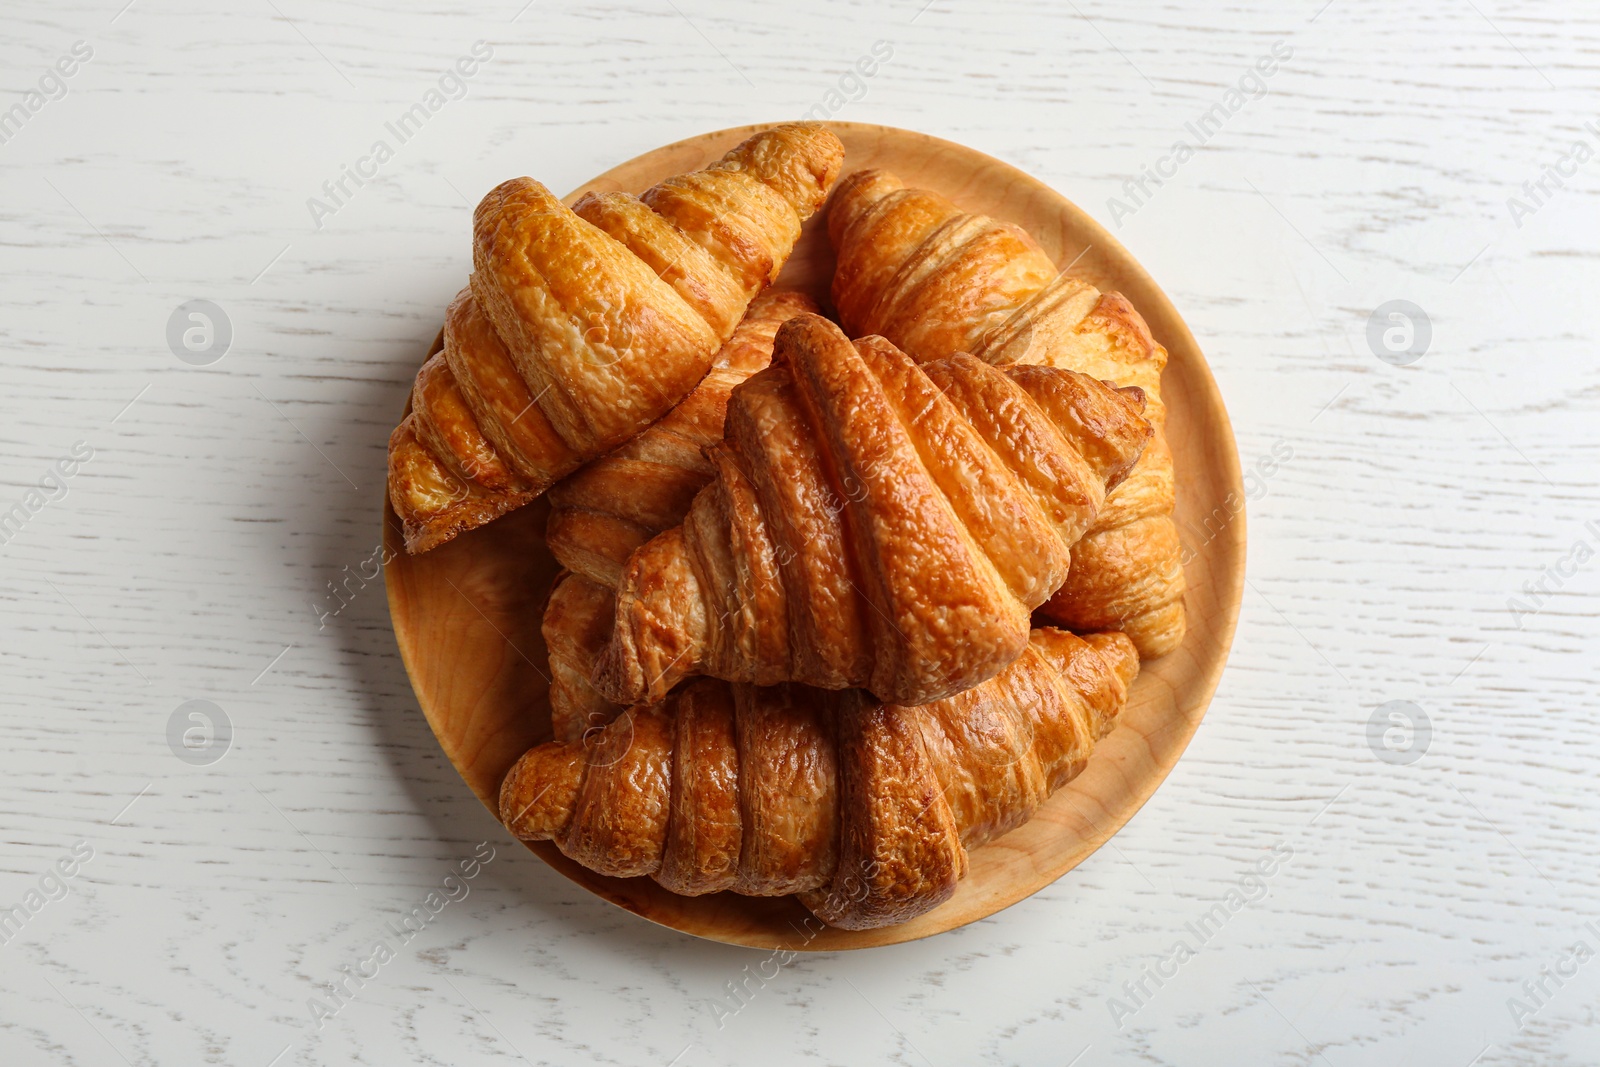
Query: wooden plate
466	615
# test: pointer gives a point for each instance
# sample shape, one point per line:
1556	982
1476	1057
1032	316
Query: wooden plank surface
1399	513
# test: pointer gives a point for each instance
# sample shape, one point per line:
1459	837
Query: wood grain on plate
466	616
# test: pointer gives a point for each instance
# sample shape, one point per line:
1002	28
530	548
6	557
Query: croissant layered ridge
872	523
936	280
576	627
583	326
614	504
865	809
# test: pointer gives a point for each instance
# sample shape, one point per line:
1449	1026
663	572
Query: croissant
935	280
867	810
600	514
872	523
582	327
616	503
577	627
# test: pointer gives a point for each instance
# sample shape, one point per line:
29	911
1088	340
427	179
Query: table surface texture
1382	223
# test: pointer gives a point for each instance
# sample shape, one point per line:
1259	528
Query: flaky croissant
582	327
935	280
601	513
616	503
576	628
867	810
872	523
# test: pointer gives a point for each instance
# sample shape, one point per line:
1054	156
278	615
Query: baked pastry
582	327
872	523
867	810
616	503
604	511
935	280
577	627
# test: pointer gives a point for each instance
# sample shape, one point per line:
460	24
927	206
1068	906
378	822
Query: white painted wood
196	545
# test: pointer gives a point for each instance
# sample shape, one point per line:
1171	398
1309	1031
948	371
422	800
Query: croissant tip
495	198
865	176
1119	652
800	331
505	807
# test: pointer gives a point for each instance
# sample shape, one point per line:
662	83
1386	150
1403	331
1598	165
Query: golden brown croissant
865	809
576	627
616	503
600	514
935	280
872	523
583	326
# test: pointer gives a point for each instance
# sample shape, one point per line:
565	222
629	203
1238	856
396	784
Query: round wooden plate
466	616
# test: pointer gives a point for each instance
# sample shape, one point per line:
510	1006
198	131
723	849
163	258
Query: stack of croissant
843	598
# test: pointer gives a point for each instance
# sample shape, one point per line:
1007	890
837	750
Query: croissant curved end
800	160
658	635
538	794
1119	652
856	192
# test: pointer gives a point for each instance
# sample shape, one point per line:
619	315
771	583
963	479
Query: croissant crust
866	810
936	280
582	326
872	523
616	503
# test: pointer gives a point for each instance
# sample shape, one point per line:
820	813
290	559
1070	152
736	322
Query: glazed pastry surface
616	503
872	523
865	809
583	326
935	280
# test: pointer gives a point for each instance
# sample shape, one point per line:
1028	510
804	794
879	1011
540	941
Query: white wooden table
1402	510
